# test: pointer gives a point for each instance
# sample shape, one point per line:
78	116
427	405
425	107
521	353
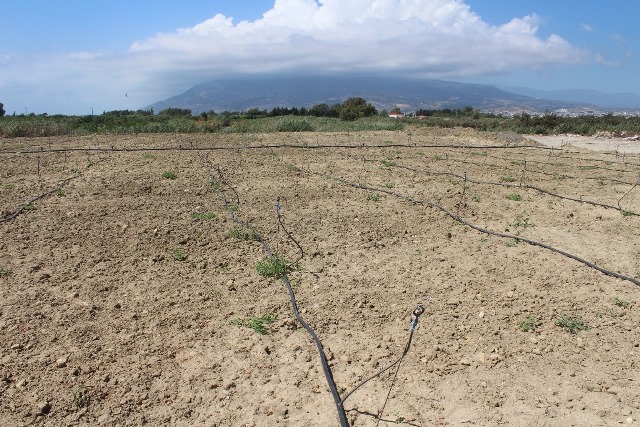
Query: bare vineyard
277	279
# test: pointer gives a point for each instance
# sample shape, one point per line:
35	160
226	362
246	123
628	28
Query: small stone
21	383
465	362
43	407
533	340
117	305
16	347
626	411
607	347
481	314
62	362
480	357
345	358
536	351
629	420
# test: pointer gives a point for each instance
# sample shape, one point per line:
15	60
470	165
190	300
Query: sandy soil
620	145
101	325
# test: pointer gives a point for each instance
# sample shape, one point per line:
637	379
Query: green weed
169	175
29	207
5	272
528	324
178	255
512	243
621	303
60	192
374	197
9	186
148	156
203	216
625	212
81	396
293	168
573	324
514	197
521	224
274	266
476	198
258	324
389	162
245	233
389	185
507	179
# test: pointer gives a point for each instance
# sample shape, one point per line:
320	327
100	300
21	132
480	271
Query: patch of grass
81	396
589	167
388	162
5	272
9	186
507	179
258	324
561	177
621	303
521	224
169	175
389	185
60	192
479	153
234	208
512	243
573	324
203	216
528	324
608	312
437	157
245	233
601	181
148	156
29	208
625	212
514	197
293	168
178	255
374	197
476	198
274	266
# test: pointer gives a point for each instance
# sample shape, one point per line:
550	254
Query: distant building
397	115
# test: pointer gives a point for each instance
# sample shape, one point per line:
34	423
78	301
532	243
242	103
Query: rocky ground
127	298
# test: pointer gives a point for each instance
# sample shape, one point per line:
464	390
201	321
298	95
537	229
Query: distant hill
594	97
267	92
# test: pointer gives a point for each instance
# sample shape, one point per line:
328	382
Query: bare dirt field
125	296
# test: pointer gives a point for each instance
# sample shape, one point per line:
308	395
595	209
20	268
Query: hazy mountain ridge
267	92
601	99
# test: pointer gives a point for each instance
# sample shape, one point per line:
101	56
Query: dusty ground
94	303
623	146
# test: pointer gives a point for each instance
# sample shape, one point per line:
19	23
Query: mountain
267	92
594	97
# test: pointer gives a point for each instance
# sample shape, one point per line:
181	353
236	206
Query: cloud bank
419	38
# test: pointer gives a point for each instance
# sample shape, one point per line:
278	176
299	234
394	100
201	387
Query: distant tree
176	112
2	109
355	108
395	110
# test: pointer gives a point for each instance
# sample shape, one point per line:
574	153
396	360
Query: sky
75	57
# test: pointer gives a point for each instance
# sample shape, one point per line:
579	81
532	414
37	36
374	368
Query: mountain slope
594	97
266	92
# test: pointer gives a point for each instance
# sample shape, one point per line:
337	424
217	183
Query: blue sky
71	57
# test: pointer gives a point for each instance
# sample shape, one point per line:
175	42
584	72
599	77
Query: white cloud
430	38
586	27
439	38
